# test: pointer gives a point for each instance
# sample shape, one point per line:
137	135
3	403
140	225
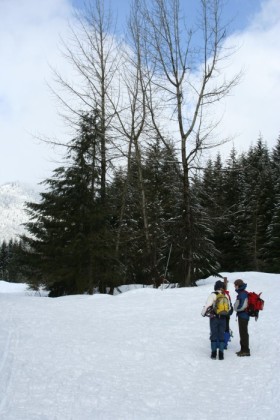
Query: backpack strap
228	295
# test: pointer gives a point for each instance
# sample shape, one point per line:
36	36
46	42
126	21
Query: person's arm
236	304
208	303
241	303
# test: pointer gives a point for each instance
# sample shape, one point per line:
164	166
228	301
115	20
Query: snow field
141	355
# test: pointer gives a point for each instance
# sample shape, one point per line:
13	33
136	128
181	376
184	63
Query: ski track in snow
7	354
141	355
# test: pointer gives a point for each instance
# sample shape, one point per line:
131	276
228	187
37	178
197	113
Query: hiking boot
221	355
243	353
214	354
238	352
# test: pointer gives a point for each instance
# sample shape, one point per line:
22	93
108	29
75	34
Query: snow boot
214	354
221	355
214	345
243	353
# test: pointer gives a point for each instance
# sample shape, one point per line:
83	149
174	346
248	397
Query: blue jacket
241	302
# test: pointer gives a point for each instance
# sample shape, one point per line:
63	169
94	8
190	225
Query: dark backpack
255	304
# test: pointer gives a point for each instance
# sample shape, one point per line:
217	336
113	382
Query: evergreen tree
229	244
164	197
4	255
205	253
210	196
271	250
161	180
69	248
255	206
275	162
10	264
275	167
130	250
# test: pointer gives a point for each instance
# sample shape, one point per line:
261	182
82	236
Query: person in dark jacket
240	307
217	322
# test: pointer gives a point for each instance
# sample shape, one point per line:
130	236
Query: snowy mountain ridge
13	196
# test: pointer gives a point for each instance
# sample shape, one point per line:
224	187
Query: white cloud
252	109
29	43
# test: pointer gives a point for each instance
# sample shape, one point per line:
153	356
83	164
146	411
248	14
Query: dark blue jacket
240	299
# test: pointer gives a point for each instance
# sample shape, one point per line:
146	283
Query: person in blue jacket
240	307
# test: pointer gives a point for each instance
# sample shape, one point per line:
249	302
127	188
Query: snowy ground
141	355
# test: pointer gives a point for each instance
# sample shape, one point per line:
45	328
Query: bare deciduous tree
131	115
93	54
185	81
172	79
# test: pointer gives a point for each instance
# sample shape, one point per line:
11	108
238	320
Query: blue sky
30	34
240	11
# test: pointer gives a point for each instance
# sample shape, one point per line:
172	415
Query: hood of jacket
241	288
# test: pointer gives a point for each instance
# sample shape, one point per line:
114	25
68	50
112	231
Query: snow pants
217	333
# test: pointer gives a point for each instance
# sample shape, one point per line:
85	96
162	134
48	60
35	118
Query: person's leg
244	336
214	337
221	334
241	350
227	324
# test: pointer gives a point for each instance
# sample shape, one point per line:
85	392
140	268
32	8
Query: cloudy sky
29	44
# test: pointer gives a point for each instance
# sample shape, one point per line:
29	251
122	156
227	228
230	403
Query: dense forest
80	244
133	198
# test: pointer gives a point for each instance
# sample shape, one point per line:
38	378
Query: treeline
241	197
80	242
10	266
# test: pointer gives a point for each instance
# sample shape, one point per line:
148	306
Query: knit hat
219	285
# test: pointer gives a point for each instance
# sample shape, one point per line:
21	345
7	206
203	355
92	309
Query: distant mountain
12	215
